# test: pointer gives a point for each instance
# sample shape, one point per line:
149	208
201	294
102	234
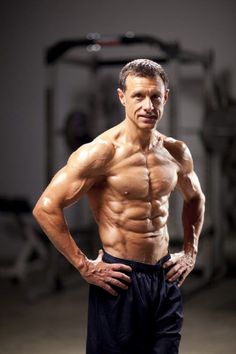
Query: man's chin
148	124
148	120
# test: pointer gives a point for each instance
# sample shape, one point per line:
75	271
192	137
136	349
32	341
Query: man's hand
105	275
180	264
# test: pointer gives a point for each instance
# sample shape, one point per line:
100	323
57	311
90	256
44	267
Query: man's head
143	92
142	68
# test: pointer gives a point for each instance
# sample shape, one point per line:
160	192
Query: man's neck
140	137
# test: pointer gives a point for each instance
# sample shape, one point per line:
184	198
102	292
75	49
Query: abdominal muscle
135	230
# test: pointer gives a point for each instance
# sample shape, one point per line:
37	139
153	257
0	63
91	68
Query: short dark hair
142	68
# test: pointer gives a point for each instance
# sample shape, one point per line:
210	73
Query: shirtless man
128	174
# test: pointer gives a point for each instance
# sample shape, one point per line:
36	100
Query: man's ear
166	95
121	96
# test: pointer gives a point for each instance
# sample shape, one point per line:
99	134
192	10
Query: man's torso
131	201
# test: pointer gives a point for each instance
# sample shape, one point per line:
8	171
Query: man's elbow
199	202
202	198
197	199
38	211
42	208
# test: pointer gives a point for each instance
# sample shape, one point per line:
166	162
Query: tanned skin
128	174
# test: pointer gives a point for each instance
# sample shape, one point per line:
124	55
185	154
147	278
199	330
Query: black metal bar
49	134
188	57
171	49
54	52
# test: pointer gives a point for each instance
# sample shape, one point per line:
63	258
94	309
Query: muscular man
128	174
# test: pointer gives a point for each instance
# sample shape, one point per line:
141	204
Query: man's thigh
168	321
118	325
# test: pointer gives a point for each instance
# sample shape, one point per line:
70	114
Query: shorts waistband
138	266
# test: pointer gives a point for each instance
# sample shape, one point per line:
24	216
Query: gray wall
29	26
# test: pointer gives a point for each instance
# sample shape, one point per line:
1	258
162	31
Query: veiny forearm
94	272
193	217
55	227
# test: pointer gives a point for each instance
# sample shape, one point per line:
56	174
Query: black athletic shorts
145	319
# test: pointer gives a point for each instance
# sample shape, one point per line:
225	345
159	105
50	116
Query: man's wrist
190	249
81	262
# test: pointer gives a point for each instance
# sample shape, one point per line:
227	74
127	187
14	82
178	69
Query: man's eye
156	98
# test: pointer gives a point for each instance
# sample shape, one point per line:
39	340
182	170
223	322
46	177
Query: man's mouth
152	117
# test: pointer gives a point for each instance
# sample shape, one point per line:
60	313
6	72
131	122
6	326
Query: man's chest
143	176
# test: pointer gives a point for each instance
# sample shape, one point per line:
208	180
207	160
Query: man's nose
148	105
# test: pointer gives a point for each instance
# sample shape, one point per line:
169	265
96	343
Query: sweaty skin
128	174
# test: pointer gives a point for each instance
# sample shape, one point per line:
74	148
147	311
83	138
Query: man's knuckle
102	285
106	287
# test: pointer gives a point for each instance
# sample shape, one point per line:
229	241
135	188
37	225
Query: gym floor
56	323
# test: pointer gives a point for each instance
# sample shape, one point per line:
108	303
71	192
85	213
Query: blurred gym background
59	68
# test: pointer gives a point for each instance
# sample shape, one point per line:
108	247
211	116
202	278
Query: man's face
144	100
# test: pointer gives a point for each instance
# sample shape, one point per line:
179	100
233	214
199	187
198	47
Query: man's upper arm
85	167
188	182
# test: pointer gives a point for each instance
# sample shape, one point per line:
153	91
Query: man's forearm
94	272
193	216
55	227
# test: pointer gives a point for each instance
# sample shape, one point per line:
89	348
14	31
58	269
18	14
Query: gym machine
219	137
23	251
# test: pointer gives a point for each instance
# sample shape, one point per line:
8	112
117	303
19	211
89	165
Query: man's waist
136	265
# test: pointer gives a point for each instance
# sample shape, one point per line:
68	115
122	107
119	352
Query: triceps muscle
193	210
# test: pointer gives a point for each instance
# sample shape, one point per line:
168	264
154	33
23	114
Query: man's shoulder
180	151
102	147
92	156
98	149
171	143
